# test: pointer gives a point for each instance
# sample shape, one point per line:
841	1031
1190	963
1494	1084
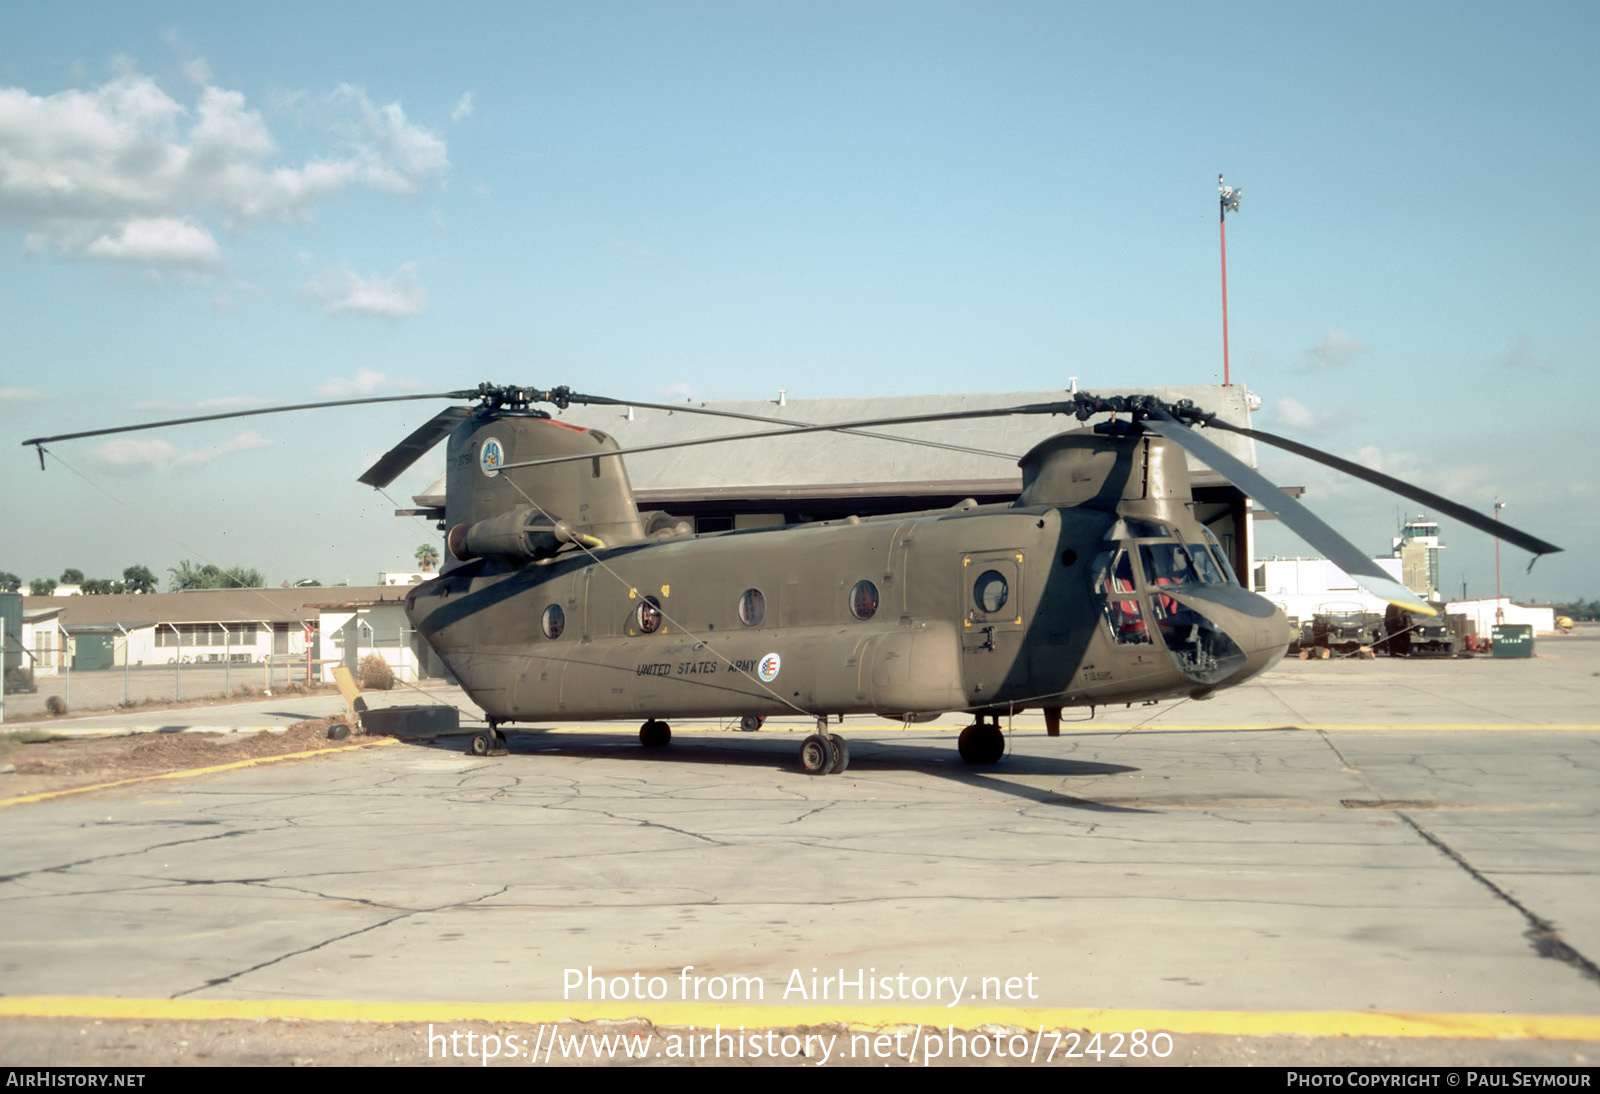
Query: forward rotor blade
792	423
249	414
1470	517
414	447
1302	521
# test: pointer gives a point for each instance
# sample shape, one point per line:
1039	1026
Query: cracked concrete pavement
1343	836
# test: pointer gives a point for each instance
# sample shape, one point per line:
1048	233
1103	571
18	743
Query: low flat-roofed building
339	623
1486	613
1304	587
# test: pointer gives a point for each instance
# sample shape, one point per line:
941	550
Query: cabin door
989	592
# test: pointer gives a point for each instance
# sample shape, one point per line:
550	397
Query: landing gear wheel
981	743
817	754
487	742
841	754
655	734
751	722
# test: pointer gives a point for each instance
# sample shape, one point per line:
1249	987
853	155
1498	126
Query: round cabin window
752	607
647	616
864	600
555	621
990	592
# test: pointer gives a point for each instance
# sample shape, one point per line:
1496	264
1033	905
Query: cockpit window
1113	580
1168	564
1134	528
1220	555
1205	565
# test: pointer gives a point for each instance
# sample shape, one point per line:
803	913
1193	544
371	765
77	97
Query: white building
43	641
404	577
241	626
1491	610
1304	587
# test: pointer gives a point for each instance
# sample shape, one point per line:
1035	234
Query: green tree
185	575
71	576
41	586
138	579
427	557
101	586
9	582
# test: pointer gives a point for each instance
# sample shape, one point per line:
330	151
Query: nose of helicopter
1224	635
1268	640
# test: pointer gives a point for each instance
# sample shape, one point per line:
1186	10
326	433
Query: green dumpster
92	651
1511	640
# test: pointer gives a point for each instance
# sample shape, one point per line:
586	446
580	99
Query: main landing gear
488	742
982	742
655	734
824	753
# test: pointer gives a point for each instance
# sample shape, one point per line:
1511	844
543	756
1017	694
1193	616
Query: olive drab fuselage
1096	586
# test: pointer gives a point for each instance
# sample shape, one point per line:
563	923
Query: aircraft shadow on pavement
929	755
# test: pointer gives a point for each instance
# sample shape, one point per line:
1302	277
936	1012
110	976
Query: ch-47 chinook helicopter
1097	585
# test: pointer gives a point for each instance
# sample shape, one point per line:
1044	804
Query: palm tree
427	557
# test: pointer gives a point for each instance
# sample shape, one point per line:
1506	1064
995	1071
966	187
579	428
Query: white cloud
1334	350
146	455
399	294
14	399
390	153
1293	414
220	405
197	71
365	382
81	170
157	241
1521	358
463	108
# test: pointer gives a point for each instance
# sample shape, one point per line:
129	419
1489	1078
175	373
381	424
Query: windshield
1175	564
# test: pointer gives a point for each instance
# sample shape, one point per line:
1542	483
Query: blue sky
208	204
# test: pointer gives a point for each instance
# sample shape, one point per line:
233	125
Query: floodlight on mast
1229	201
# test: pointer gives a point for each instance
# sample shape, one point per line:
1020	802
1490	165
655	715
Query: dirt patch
42	766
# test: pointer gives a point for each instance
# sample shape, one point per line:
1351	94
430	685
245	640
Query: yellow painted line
192	772
1239	1023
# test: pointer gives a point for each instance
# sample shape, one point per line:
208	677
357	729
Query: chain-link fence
190	674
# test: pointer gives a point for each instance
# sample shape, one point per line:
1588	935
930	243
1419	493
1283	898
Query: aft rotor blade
414	447
832	427
248	414
1456	511
1302	521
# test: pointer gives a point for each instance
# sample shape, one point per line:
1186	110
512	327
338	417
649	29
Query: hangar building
828	476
